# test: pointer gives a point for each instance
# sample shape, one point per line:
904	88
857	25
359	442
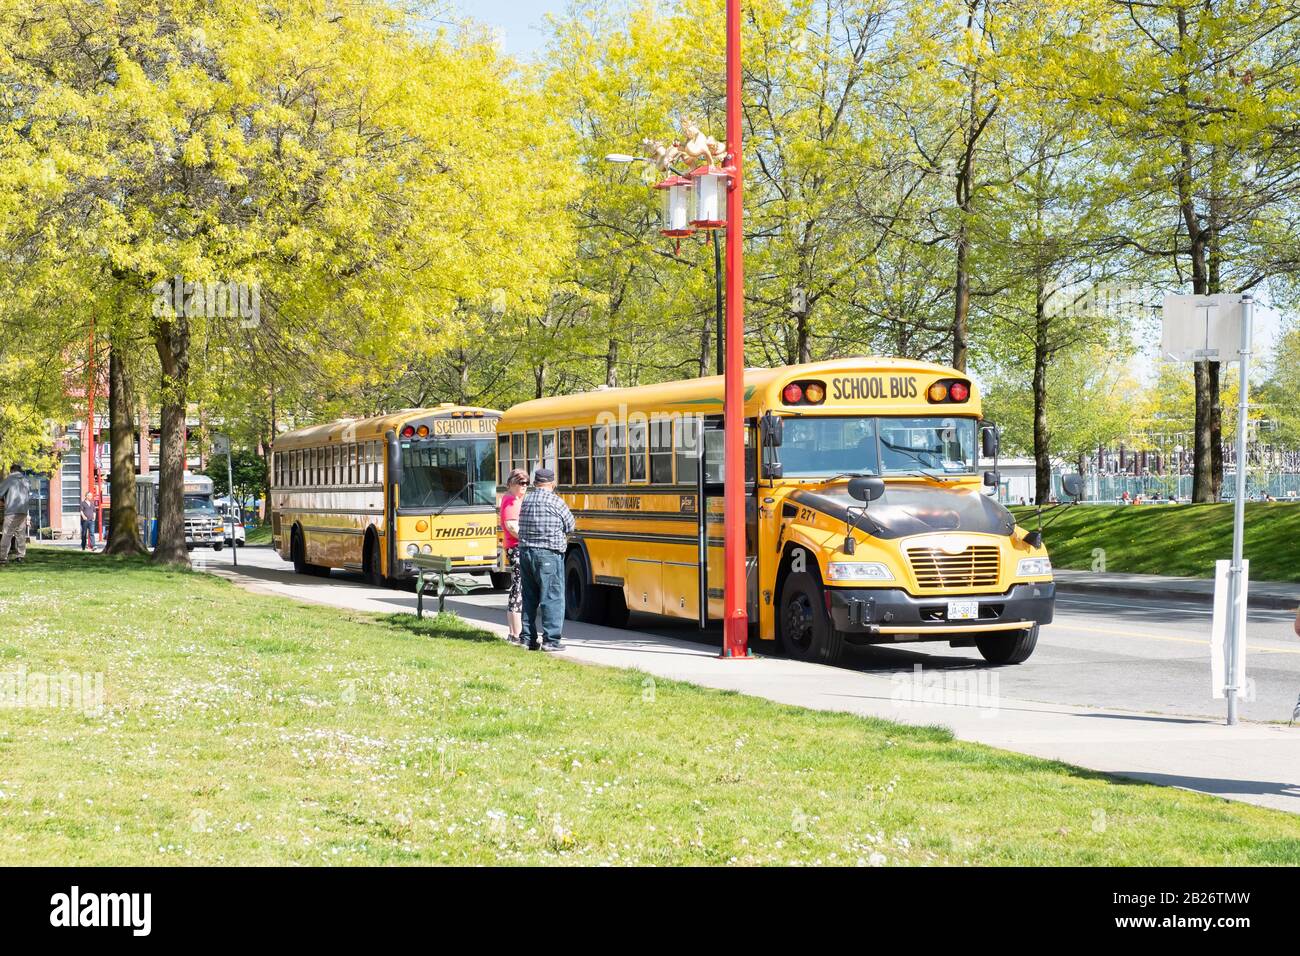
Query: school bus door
711	520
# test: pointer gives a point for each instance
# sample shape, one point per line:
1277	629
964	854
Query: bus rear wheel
583	600
1005	649
501	580
299	551
804	627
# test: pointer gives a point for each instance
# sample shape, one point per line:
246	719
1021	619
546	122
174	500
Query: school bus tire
804	628
584	600
1004	649
299	552
500	580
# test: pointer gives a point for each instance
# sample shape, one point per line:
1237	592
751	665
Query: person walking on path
89	512
516	485
545	523
16	492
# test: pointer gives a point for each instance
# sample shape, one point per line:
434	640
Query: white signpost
1212	328
221	446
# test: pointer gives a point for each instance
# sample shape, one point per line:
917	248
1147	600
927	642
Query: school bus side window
534	453
581	456
503	459
549	459
564	474
688	449
599	456
636	451
617	455
661	451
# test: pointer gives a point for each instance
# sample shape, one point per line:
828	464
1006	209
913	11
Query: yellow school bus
867	517
339	490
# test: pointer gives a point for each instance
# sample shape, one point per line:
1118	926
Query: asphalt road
1149	655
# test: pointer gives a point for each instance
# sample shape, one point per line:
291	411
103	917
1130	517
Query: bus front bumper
877	615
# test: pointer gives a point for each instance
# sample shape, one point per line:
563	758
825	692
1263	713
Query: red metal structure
735	625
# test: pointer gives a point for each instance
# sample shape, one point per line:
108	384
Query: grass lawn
1182	540
239	728
259	535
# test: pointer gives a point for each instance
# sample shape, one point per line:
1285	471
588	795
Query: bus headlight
413	549
858	571
428	549
1033	567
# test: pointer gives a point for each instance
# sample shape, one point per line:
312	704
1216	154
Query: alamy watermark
953	688
177	297
68	691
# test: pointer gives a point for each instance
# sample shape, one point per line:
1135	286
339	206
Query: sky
520	21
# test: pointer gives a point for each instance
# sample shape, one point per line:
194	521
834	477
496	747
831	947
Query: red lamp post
735	621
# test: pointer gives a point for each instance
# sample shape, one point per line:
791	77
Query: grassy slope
247	729
1174	539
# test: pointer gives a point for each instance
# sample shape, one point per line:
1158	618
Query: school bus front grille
977	566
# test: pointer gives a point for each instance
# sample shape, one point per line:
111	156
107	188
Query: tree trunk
961	307
124	520
1042	451
611	363
172	342
1202	456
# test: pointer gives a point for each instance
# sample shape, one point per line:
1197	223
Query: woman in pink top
516	485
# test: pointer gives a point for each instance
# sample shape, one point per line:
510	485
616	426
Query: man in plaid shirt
545	523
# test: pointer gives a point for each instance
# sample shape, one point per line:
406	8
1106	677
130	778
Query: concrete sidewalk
1255	763
1277	595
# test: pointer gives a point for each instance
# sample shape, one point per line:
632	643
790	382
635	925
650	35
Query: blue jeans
542	572
87	533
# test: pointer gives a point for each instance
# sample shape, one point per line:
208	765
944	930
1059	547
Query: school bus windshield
449	472
877	445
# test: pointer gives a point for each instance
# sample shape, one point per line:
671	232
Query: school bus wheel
804	627
584	600
1008	648
298	549
500	580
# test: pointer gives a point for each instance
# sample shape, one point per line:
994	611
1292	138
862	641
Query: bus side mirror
989	441
772	431
394	454
1072	485
773	469
866	489
991	479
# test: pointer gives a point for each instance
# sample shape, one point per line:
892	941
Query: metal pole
719	338
1237	593
735	623
230	493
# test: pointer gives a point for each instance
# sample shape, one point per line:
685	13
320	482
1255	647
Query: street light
627	158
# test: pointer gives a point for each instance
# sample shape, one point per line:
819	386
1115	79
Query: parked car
239	533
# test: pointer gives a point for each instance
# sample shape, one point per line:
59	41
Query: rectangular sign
1198	328
449	427
1219	629
874	388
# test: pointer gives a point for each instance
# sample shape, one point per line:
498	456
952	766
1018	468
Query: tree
331	162
1200	100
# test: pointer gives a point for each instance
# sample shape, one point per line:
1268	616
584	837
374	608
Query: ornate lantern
677	206
710	197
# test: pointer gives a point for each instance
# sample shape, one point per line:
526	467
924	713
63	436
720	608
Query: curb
1271	602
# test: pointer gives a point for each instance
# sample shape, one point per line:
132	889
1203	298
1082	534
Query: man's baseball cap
543	476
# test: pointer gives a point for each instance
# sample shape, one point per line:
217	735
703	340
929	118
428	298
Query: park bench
433	573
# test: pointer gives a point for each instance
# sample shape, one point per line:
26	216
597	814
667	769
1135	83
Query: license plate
963	610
